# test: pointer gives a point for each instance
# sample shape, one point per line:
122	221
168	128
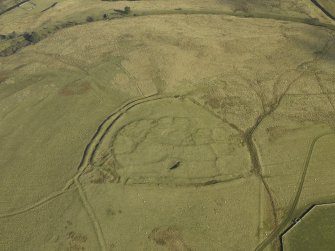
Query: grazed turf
314	231
175	130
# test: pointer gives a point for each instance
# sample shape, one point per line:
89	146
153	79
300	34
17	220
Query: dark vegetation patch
125	11
169	237
17	41
76	241
13	48
32	37
89	19
13	42
75	89
77	237
111	212
174	166
8	36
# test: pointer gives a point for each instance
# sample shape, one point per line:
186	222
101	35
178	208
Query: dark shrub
68	24
12	35
33	37
89	19
127	10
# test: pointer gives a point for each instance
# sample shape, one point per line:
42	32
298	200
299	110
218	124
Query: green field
315	231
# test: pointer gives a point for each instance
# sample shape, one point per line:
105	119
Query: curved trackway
110	120
101	133
106	124
94	143
207	181
273	16
281	227
83	162
90	151
83	165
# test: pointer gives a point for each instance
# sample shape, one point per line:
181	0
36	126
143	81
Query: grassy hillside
183	125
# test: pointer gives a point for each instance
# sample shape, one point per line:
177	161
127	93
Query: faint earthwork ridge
90	155
83	161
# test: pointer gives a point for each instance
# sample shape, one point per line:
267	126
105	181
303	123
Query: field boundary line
295	201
